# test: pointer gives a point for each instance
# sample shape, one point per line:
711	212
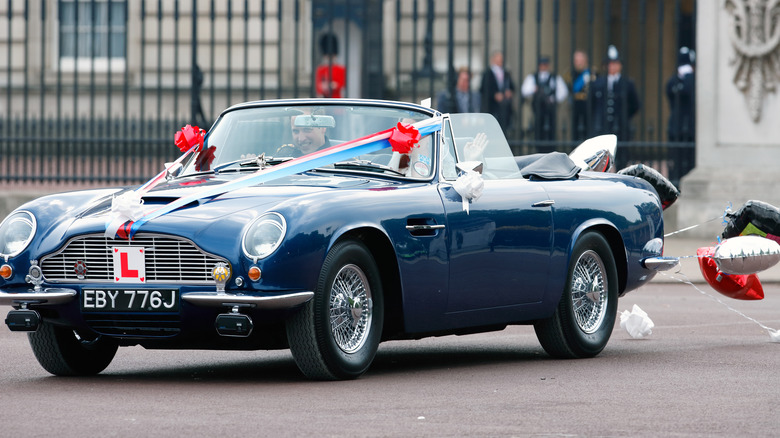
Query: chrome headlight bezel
14	218
269	227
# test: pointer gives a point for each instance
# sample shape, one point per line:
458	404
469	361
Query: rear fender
618	247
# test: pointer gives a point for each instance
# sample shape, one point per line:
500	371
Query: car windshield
280	133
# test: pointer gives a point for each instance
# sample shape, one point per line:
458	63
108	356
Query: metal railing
110	116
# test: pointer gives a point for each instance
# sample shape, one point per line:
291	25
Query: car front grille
168	259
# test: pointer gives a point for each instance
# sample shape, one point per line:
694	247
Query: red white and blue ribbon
401	139
129	205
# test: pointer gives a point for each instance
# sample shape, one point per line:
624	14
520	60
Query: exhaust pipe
23	320
234	324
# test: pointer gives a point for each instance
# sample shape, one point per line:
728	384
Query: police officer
613	100
681	92
546	90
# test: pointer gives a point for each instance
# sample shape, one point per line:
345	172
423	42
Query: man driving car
307	136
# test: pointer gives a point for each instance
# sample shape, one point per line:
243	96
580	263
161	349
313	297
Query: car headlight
264	235
16	232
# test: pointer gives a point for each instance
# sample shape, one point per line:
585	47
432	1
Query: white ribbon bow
469	186
126	207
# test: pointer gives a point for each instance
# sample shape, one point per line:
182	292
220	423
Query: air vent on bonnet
165	200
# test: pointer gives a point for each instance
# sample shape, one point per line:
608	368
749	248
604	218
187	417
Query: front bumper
221	299
55	296
48	296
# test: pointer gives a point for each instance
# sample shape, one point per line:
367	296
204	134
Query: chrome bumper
48	296
221	299
52	296
660	263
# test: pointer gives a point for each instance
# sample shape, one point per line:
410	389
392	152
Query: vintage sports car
327	227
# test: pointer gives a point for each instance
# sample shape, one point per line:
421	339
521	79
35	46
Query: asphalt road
704	371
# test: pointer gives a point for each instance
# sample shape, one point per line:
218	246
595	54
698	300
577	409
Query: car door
499	249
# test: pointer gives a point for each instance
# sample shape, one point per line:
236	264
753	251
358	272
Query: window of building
92	35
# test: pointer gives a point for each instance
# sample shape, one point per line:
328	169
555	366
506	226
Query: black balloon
666	190
765	217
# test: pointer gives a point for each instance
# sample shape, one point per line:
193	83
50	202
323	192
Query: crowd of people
603	102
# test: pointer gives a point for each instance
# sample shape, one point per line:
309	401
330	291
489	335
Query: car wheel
63	352
585	316
336	334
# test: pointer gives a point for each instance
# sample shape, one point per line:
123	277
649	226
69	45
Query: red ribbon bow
188	137
403	138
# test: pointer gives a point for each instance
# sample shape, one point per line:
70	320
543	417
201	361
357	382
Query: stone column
737	112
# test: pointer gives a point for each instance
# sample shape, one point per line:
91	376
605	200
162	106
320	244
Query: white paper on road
636	323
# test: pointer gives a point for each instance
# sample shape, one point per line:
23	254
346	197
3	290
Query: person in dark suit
681	92
497	90
613	100
466	100
580	79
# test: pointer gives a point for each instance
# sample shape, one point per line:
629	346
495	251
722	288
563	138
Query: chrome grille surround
169	259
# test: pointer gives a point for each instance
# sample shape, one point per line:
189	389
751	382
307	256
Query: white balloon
744	255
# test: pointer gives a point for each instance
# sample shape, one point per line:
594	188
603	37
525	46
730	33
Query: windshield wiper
243	162
367	165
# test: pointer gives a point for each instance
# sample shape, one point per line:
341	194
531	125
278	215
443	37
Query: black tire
335	335
584	319
62	352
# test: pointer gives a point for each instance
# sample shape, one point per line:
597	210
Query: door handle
424	227
545	203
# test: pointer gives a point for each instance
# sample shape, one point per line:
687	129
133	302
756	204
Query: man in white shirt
546	90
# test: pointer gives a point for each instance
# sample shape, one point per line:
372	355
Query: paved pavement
704	371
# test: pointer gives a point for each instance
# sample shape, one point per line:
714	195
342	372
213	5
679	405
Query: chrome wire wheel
336	334
350	308
586	312
589	292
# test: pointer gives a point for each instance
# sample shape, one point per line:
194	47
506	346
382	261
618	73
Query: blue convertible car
327	227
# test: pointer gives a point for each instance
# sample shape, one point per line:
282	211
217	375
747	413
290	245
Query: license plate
130	300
